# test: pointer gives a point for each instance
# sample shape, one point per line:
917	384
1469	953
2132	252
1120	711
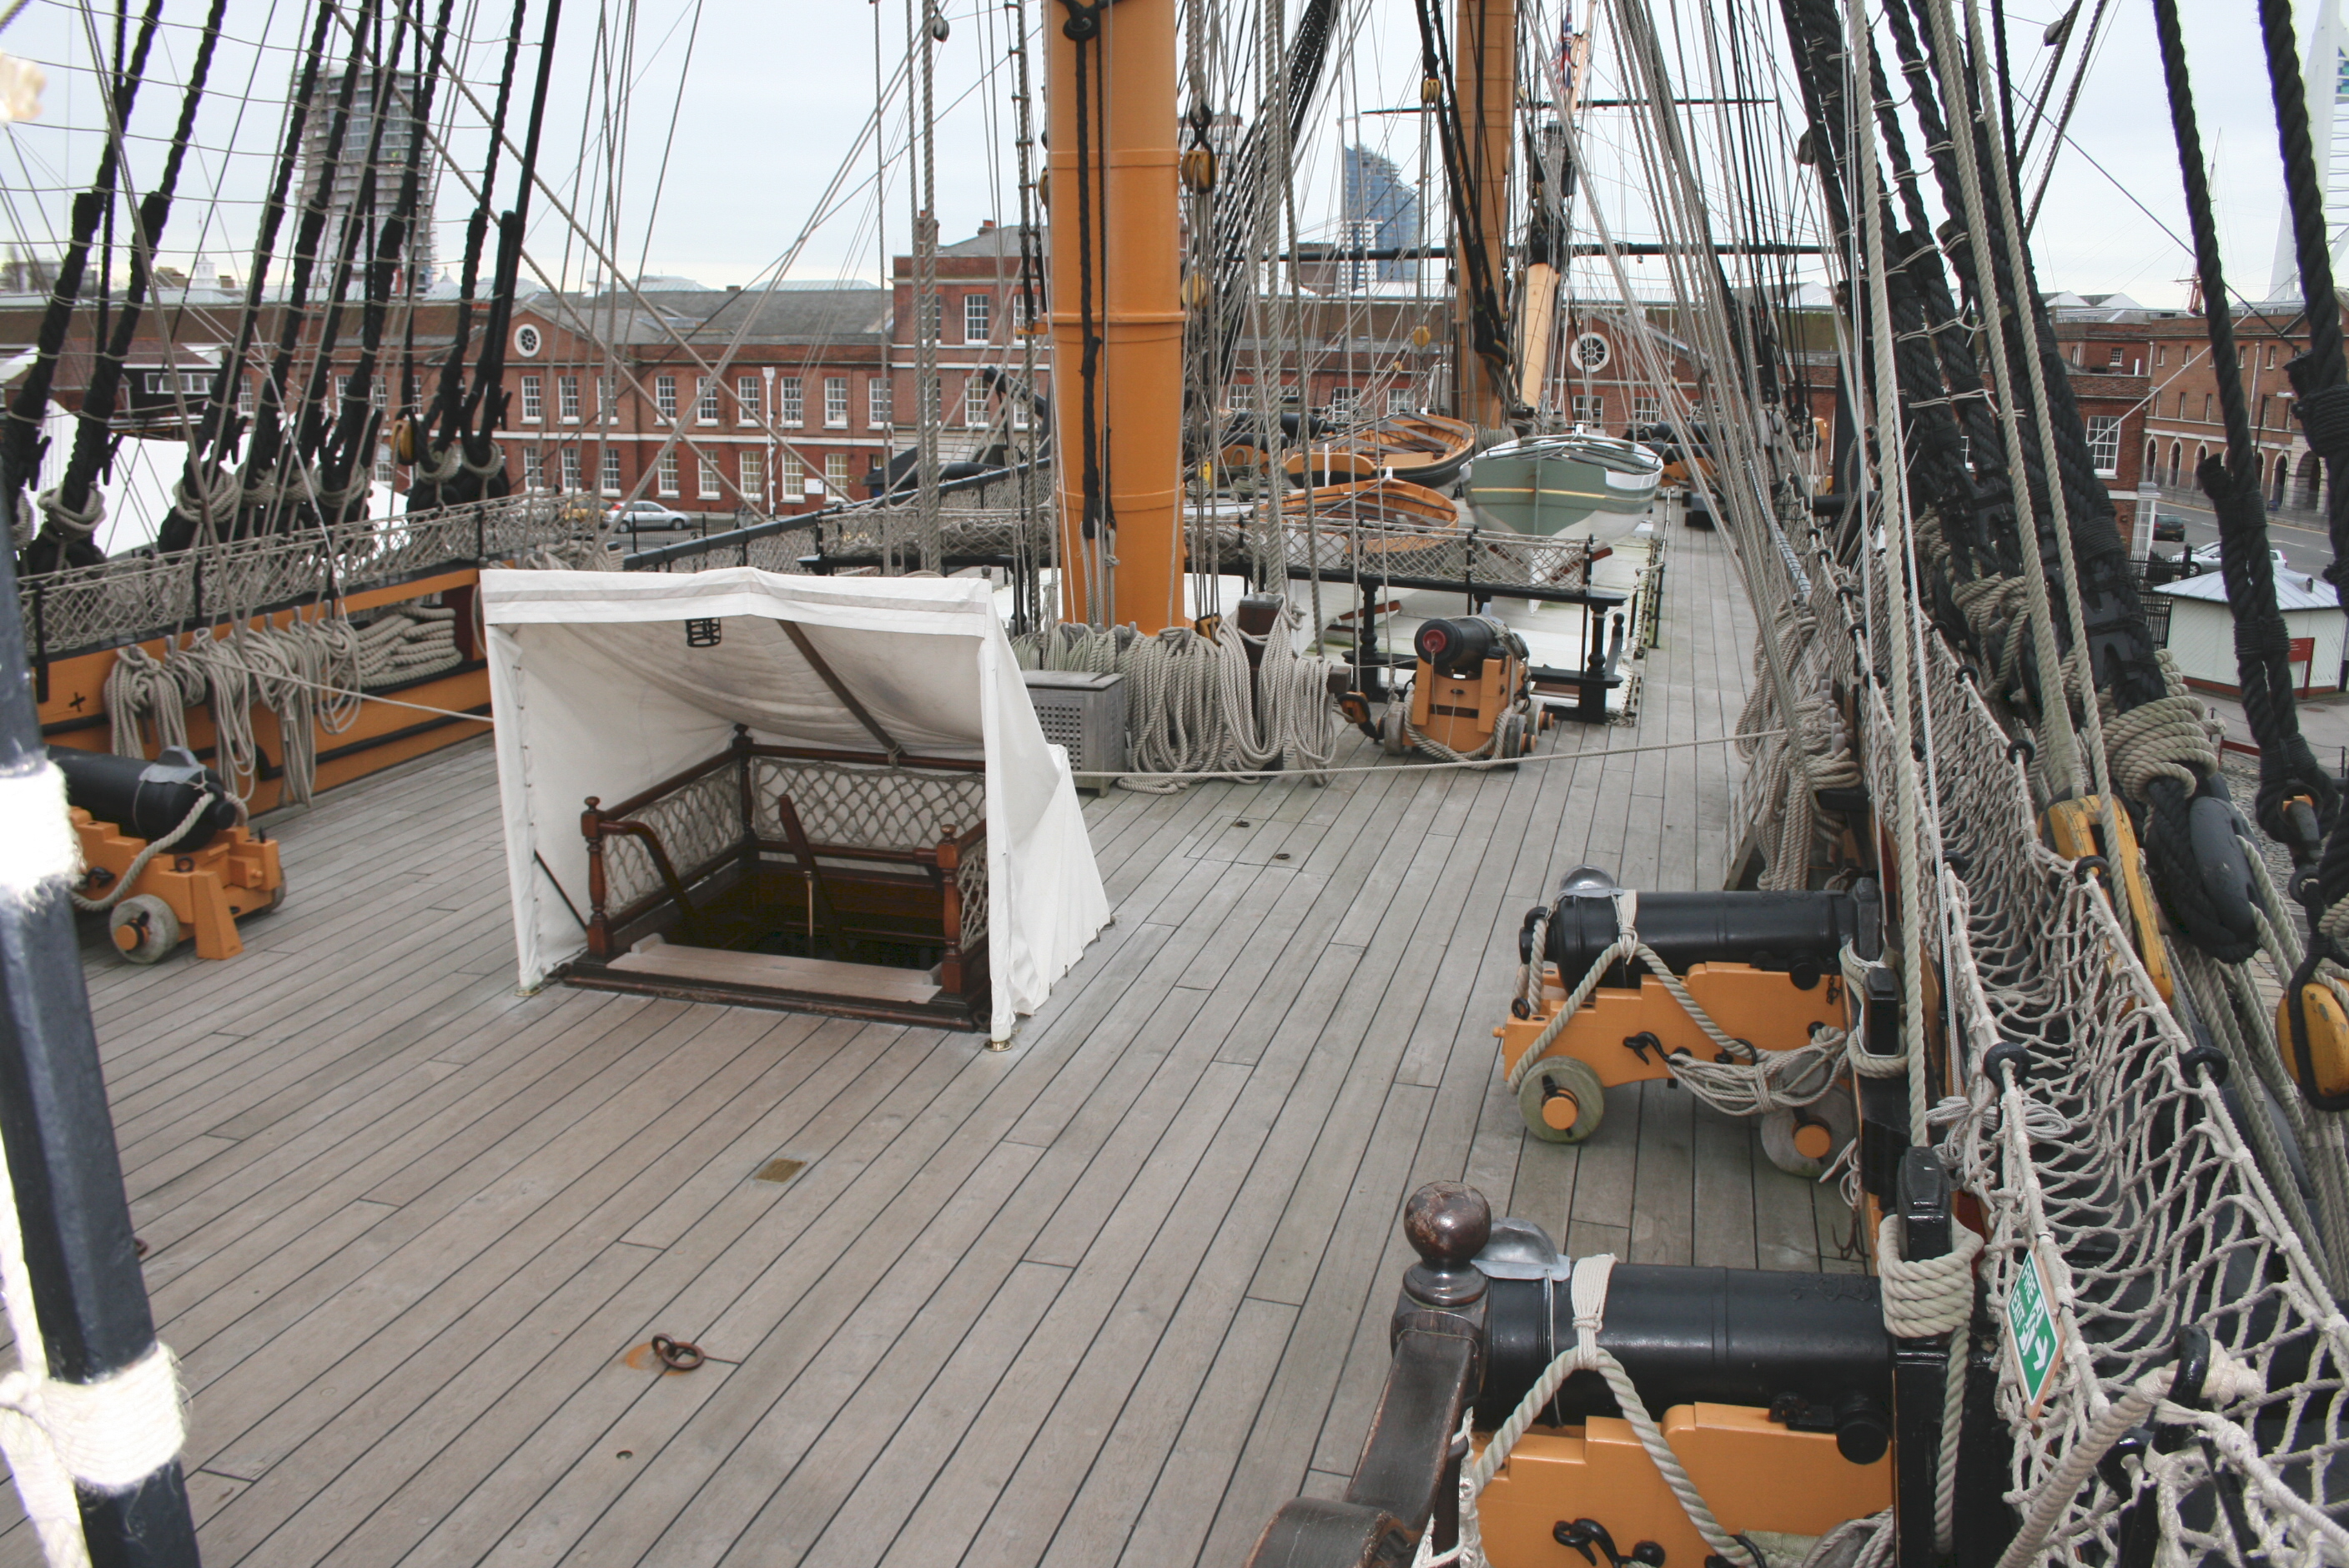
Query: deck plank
1108	1294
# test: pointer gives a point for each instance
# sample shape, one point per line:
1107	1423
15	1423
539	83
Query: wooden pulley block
2318	1062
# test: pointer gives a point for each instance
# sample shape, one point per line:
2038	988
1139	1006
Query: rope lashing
1772	1080
131	875
1588	1292
1928	1296
79	521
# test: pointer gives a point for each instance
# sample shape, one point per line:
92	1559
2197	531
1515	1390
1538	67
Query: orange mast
1116	260
1484	71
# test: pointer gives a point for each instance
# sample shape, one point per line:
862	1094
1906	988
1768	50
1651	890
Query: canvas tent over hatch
609	684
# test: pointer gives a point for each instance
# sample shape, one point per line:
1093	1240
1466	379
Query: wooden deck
1107	1296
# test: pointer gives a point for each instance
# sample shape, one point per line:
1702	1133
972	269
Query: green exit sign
2030	1329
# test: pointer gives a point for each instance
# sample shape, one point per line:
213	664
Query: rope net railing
135	597
2118	1165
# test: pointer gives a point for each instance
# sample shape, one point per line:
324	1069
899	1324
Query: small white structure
2202	631
599	690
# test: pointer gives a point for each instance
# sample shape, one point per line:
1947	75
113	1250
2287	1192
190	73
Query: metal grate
1084	713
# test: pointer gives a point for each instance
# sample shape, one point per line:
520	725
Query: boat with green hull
1583	485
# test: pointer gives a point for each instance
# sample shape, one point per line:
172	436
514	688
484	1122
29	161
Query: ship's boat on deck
1594	486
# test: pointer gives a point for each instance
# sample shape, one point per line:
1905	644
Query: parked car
2169	530
2204	558
648	517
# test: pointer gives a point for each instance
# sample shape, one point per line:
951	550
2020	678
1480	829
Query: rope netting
2119	1166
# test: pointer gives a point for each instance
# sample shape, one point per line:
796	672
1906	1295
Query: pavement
2299	532
2324	720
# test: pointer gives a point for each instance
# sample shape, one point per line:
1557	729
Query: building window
2271	356
2161	354
2114	363
533	470
2152	470
665	472
707	485
1398	401
835	401
930	400
533	399
244	394
2206	407
975	308
790	405
383	462
754	475
665	395
1647	409
1589	408
2177	454
1342	402
611	467
926	326
1243	399
2104	443
835	472
566	398
374	393
1289	397
973	401
570	456
705	400
750	401
878	402
794	479
607	402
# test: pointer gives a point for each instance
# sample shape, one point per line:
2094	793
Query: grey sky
768	99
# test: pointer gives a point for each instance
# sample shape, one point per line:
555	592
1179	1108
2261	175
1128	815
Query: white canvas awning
597	693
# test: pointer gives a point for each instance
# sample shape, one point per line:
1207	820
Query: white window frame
1398	402
533	469
665	395
1345	402
791	485
1647	409
752	466
705	399
708	484
835	472
244	394
609	471
570	469
664	473
533	399
566	398
880	403
835	402
977	312
973	401
2104	432
750	401
1589	408
791	401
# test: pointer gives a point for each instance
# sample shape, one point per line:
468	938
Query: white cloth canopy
596	693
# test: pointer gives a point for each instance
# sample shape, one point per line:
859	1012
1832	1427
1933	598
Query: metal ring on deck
677	1355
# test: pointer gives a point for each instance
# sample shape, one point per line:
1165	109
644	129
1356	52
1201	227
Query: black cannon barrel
1464	642
1729	1337
1793	931
147	800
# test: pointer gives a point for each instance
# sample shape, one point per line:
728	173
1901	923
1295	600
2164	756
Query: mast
1116	311
1486	52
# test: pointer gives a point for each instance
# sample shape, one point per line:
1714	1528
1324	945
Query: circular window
1590	352
526	341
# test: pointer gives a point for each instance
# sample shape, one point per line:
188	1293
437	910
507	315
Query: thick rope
1925	1297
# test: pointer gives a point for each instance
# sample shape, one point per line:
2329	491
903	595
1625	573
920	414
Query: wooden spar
1484	63
1112	192
1537	328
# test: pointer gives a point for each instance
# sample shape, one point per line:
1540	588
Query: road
2300	535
